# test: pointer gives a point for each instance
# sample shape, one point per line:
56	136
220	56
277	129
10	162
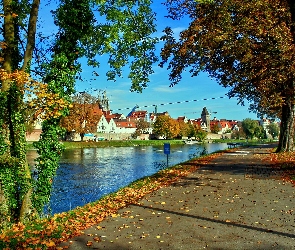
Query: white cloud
167	89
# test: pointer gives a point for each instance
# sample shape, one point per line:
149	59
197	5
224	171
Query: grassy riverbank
114	143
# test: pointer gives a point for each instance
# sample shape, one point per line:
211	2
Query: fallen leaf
89	243
97	239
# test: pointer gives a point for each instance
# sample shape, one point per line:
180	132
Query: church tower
205	116
104	101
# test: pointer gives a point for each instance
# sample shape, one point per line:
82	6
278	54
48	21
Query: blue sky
158	92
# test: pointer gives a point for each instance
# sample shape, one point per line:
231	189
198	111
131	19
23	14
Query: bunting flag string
169	103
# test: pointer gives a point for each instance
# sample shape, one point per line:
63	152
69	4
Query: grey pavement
237	201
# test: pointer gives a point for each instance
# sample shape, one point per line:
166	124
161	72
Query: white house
125	126
264	123
103	125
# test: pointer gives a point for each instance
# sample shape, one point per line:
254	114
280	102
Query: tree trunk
15	132
286	141
9	39
26	204
31	34
4	210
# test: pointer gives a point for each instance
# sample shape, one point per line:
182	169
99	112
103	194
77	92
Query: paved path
234	202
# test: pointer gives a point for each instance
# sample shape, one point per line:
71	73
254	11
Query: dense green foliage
252	129
273	130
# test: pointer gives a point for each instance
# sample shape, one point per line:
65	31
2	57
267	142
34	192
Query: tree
184	129
251	128
166	126
215	129
191	130
200	134
238	134
125	36
273	129
245	45
83	116
142	127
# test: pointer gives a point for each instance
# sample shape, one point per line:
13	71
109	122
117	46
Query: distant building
264	123
182	119
205	116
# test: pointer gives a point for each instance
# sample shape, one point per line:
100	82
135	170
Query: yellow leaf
50	244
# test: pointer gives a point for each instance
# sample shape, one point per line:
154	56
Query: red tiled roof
125	124
138	114
223	124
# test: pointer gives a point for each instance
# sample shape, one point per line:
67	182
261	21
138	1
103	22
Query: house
136	115
114	127
264	123
182	119
224	126
103	125
125	126
196	122
153	116
215	124
234	125
35	134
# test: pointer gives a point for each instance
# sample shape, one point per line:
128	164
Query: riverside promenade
237	201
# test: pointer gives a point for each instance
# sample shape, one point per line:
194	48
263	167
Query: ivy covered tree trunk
49	149
286	140
15	173
18	150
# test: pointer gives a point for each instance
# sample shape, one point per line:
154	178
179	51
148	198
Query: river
85	175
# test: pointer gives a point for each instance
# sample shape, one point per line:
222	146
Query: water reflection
85	175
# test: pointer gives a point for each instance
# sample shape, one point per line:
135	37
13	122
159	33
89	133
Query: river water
85	175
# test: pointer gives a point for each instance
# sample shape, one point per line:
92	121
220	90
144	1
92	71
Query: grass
113	143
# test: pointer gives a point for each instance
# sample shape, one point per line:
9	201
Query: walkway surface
234	202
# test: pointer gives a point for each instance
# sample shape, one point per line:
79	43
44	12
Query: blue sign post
167	150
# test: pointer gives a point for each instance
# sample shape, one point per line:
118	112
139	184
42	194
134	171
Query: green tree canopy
273	129
251	128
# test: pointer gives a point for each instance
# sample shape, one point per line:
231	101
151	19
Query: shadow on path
217	221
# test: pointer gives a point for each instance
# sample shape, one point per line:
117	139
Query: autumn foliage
247	46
